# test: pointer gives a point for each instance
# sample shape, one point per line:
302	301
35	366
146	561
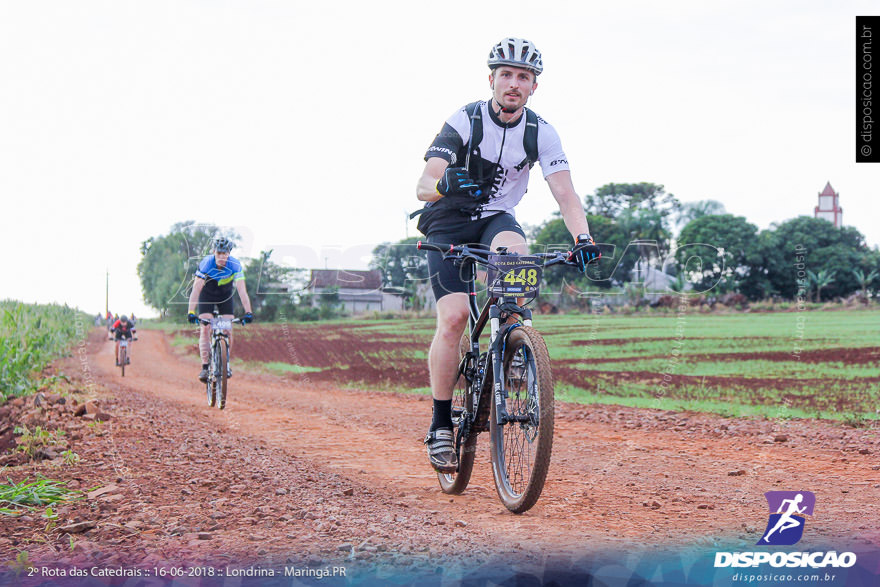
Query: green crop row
32	336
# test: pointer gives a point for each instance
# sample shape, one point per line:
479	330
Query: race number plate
221	323
514	275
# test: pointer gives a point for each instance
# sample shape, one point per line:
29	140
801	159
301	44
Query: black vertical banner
867	93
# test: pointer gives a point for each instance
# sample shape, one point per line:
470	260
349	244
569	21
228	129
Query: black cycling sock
204	365
442	414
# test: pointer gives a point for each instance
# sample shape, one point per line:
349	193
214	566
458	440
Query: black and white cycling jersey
508	182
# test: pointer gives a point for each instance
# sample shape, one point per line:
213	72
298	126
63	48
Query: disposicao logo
785	527
788	511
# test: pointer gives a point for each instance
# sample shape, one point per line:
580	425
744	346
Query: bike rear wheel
521	448
455	483
223	351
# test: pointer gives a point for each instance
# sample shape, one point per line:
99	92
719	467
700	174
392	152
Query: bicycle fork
496	350
215	374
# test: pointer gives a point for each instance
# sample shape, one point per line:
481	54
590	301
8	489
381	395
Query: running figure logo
787	516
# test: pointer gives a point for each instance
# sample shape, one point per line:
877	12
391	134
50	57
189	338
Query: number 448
522	277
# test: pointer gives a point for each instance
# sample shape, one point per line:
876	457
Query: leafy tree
821	279
168	263
865	279
727	247
552	235
822	246
693	210
270	288
401	263
768	261
643	213
612	199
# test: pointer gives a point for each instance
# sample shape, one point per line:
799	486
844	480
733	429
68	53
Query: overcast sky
303	125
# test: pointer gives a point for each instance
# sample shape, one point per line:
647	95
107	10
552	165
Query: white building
359	291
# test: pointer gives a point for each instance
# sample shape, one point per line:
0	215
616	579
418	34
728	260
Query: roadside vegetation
31	337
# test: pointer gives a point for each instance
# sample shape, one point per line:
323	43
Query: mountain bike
218	368
122	355
506	389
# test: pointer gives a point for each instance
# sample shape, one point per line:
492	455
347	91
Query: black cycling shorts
446	277
208	303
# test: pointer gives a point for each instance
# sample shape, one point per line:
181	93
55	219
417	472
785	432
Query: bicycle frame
216	335
491	313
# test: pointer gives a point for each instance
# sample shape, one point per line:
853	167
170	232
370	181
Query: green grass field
789	364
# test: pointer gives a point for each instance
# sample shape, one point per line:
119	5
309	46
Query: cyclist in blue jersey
218	274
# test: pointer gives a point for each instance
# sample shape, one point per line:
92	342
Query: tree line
642	228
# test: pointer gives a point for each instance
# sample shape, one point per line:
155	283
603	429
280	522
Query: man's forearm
574	217
426	190
194	296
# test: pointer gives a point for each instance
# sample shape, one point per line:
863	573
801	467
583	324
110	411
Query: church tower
829	206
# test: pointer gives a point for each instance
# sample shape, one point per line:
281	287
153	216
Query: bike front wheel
123	356
222	376
521	447
211	382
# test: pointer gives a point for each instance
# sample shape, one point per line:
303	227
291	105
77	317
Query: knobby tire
223	350
123	355
521	451
211	383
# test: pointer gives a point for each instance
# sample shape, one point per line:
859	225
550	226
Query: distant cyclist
123	328
111	320
213	288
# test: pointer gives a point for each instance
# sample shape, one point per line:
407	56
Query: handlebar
480	256
207	322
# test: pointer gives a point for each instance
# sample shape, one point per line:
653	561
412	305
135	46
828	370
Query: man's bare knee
452	315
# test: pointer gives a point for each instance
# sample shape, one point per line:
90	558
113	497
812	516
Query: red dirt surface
298	470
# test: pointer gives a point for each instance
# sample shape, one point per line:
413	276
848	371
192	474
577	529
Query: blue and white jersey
219	280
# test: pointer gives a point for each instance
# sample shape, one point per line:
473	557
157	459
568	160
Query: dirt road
299	471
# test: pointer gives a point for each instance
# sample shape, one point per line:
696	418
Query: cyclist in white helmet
216	278
470	193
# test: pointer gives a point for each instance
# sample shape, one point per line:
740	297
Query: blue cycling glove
585	251
456	180
192	318
247	318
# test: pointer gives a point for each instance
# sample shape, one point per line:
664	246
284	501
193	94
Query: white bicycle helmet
518	53
222	245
